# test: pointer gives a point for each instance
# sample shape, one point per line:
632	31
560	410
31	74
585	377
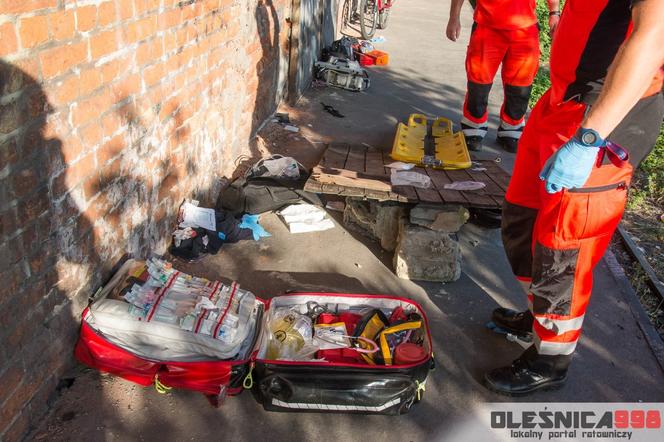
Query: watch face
589	138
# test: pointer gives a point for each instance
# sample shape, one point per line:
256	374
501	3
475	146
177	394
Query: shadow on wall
38	297
64	222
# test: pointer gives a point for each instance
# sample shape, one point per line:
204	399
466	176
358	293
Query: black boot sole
547	386
520	333
506	147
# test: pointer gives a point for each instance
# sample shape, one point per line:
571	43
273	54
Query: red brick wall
111	112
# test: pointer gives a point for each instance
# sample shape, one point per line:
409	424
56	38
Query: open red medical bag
249	347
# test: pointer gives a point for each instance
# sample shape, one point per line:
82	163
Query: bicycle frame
384	4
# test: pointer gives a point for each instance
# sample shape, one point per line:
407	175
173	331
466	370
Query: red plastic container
365	59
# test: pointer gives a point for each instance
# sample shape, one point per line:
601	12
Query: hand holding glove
571	165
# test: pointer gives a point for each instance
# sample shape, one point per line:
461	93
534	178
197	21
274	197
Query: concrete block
377	220
427	255
440	218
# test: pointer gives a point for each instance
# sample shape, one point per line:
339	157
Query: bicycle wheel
368	18
346	13
383	16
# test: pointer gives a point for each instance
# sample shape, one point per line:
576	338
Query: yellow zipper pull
248	382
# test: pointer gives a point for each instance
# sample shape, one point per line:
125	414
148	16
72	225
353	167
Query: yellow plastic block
451	149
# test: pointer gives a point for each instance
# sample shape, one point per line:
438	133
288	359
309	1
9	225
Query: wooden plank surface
356	158
439	178
352	170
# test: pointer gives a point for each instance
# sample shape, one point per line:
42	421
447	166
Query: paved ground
426	75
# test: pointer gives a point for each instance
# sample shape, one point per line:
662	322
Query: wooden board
360	171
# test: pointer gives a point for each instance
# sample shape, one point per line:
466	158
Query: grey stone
377	220
427	255
441	218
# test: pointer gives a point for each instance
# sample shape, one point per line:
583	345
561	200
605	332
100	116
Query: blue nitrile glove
251	222
571	165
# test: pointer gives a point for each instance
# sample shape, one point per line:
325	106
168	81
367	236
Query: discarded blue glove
251	222
569	167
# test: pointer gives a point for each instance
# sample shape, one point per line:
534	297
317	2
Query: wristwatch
552	13
589	137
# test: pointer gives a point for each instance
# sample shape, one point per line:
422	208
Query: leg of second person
486	50
520	210
518	72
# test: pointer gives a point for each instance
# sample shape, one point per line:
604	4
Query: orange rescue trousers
518	52
553	241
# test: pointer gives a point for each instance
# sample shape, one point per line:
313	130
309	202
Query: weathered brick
34	205
109	150
90	80
57	60
83	168
10	377
126	87
62	24
125	10
8	42
12	278
103	43
86	18
153	74
111	70
91	108
26	180
100	117
12	116
91	186
15	429
65	91
18	6
33	31
107	13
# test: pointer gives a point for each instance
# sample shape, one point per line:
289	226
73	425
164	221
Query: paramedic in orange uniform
504	32
599	120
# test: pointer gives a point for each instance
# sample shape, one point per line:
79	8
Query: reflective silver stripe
306	406
474	132
554	348
467	122
507	126
510	133
560	326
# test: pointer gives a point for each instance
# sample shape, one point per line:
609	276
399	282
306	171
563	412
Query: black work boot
474	143
519	323
509	144
529	373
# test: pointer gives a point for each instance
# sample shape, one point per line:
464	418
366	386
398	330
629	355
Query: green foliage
542	81
649	180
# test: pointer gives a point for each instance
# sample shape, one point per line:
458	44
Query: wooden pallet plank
492	189
497	173
430	195
476	198
356	158
439	178
374	162
407	192
347	178
335	155
313	186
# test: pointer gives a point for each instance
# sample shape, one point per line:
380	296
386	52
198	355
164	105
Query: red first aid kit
364	59
325	352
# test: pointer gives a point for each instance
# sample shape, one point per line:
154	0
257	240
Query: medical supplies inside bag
326	352
358	334
152	324
330	352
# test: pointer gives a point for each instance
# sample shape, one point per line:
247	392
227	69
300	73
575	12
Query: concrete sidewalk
613	362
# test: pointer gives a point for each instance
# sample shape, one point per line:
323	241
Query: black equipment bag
256	195
338	387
